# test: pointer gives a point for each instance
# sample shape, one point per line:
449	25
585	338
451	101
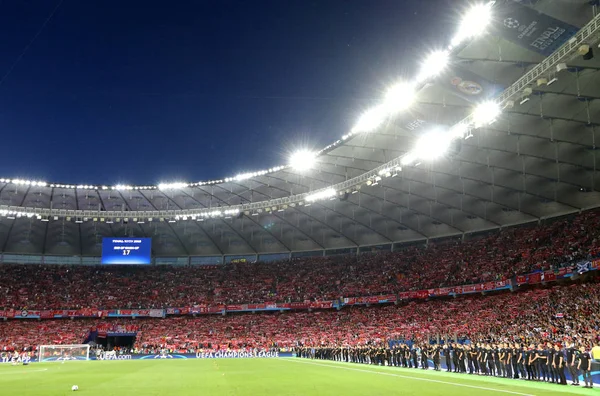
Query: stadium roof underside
537	160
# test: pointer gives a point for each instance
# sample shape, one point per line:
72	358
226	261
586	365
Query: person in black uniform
436	357
414	355
572	357
500	364
496	360
489	355
455	354
585	365
482	359
474	353
462	357
424	357
448	358
559	364
381	354
540	362
532	362
508	360
547	367
527	361
469	355
396	356
518	362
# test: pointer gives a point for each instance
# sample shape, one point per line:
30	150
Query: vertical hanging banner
531	29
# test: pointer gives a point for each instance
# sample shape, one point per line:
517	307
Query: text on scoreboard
126	250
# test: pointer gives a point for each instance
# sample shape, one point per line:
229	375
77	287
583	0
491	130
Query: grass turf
285	376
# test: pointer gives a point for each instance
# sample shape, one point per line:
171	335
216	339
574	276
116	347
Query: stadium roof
537	160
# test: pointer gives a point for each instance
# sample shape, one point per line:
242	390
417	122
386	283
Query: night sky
142	92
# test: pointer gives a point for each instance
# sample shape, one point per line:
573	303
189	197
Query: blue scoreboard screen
126	250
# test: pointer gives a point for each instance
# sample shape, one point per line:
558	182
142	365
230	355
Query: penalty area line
407	377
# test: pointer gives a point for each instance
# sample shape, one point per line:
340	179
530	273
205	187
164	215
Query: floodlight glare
323	194
169	186
370	120
486	113
399	97
459	130
433	145
474	23
408	159
302	160
435	63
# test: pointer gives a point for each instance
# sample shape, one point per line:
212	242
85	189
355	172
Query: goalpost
62	353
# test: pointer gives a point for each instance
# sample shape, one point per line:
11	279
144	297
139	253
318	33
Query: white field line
403	376
22	371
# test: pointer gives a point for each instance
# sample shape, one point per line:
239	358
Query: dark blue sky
146	91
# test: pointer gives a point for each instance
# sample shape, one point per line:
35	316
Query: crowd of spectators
536	314
496	256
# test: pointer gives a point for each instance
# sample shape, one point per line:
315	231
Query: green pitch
285	376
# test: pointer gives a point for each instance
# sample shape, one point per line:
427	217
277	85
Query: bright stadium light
486	113
399	97
433	145
171	186
303	160
319	195
435	63
408	159
370	120
459	130
474	23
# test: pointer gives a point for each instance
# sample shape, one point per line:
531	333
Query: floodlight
486	113
435	63
474	23
302	160
433	145
168	186
459	130
399	97
323	194
370	120
408	159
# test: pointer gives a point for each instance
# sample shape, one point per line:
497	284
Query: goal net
54	353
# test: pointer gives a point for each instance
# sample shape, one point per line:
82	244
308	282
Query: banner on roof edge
531	29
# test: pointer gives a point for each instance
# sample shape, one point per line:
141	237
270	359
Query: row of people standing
544	362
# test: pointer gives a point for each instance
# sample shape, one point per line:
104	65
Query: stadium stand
500	255
557	313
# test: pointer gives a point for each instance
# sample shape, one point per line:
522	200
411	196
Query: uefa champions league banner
531	29
200	355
